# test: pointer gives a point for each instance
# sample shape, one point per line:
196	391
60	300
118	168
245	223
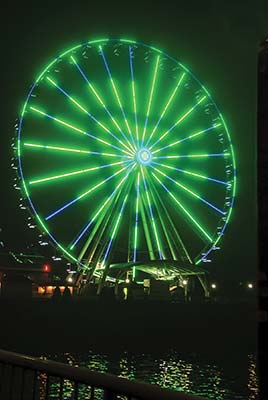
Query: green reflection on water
218	381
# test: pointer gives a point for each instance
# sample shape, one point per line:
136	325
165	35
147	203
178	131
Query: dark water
217	378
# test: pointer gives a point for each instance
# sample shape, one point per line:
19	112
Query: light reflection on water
217	380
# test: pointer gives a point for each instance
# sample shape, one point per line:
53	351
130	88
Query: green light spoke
179	120
100	227
102	132
190	191
81	171
94	91
133	94
152	216
109	198
196	155
200	228
105	216
72	127
148	236
191	173
169	242
136	221
59	148
193	135
166	106
87	112
150	98
93	188
117	95
175	231
114	232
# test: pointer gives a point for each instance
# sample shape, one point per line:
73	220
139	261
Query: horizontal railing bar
112	383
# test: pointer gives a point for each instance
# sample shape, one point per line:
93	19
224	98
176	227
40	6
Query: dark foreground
36	327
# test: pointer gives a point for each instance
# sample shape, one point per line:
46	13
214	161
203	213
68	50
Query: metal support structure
176	234
202	279
147	233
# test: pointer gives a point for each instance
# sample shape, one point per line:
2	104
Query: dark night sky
217	40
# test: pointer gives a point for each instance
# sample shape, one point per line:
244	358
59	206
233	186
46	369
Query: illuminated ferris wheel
125	159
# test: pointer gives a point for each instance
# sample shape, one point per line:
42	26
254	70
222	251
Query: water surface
216	378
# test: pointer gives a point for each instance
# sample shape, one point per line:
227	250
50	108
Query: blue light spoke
187	138
71	150
86	112
84	194
101	102
182	118
191	173
196	155
85	229
116	95
133	94
187	190
79	130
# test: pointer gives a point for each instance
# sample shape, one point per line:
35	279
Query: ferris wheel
124	157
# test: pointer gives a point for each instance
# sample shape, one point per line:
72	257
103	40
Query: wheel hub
144	156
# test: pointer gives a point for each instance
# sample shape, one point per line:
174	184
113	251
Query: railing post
11	381
108	395
34	383
61	388
47	387
76	387
22	383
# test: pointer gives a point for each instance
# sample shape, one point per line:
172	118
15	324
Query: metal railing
28	378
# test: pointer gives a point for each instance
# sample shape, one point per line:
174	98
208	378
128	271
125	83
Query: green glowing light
180	120
101	102
178	184
117	95
99	184
102	207
114	231
187	137
189	191
198	155
86	112
135	110
191	173
57	148
120	119
78	130
150	98
82	171
136	218
167	106
70	97
152	216
185	211
90	85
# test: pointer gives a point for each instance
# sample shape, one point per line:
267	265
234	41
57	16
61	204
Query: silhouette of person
66	295
56	296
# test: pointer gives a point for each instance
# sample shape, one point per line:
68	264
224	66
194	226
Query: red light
46	268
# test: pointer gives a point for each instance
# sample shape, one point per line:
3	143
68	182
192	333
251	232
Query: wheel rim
124	156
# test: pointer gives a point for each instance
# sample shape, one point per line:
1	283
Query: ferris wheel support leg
174	228
103	279
106	219
170	244
147	233
204	283
78	282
